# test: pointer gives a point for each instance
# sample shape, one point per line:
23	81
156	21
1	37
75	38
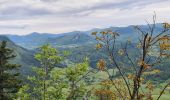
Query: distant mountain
71	39
23	57
32	40
128	32
80	43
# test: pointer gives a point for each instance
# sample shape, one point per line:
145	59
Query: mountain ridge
35	39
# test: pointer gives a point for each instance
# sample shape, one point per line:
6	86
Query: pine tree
48	57
9	82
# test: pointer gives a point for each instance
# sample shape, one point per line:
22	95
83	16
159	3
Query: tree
53	83
133	69
9	81
57	83
69	83
75	75
48	58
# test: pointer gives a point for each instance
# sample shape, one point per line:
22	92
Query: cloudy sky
58	16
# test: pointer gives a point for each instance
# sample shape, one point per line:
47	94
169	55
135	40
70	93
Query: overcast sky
58	16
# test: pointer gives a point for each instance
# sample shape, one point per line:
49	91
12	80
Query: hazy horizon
74	30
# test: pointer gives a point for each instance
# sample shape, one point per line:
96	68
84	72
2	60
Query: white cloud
57	16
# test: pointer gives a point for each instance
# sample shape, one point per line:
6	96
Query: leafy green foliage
76	81
23	93
53	83
9	81
75	75
48	58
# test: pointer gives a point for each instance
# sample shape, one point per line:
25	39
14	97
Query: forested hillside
24	57
34	40
107	64
81	44
84	50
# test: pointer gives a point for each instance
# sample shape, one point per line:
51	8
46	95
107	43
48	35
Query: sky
59	16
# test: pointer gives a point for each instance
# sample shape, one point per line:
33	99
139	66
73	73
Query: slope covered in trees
109	68
24	57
